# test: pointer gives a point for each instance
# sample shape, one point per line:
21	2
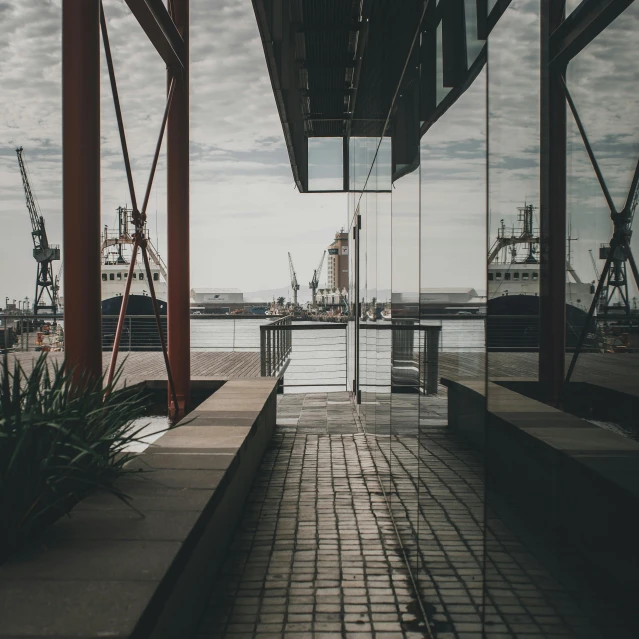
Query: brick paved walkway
316	554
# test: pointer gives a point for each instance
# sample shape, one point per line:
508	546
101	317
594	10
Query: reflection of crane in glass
618	252
616	280
314	283
43	252
294	285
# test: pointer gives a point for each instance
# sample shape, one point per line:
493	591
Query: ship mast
527	236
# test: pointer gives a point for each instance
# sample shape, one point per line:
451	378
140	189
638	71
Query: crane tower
314	283
46	290
294	285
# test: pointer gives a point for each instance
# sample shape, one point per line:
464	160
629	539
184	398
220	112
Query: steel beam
81	187
161	30
582	26
552	285
178	222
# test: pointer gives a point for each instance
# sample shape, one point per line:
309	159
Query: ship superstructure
140	331
513	286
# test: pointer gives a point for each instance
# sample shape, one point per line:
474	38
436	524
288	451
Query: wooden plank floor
617	371
138	367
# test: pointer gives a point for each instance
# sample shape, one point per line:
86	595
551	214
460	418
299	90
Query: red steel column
81	185
179	331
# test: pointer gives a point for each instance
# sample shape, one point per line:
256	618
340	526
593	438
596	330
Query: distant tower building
338	262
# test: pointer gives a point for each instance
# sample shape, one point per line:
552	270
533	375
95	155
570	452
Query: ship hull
139	332
512	324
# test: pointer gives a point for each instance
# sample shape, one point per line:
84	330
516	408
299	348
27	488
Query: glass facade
447	273
491	153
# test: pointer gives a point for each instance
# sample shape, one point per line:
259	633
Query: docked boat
140	328
513	290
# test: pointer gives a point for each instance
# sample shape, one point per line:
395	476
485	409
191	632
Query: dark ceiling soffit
271	64
456	92
582	26
160	30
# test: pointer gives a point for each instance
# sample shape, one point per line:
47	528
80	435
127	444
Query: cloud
238	160
245	212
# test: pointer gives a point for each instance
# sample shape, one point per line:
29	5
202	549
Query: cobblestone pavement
435	483
316	555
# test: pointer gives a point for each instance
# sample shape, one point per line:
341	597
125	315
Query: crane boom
43	252
294	285
594	264
314	283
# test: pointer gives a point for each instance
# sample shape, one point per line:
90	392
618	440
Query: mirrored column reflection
453	301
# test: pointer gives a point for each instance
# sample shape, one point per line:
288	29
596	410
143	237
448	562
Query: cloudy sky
245	212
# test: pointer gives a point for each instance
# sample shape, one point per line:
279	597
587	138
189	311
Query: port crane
294	285
46	291
314	283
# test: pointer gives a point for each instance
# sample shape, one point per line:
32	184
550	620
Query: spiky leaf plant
58	444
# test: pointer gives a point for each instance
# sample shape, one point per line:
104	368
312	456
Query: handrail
275	346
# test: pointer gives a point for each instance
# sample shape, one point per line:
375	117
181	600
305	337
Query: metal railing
312	354
413	365
275	346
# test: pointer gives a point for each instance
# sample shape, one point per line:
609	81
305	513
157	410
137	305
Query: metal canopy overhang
161	30
348	68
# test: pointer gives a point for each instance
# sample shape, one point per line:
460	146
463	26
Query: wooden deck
138	367
616	371
619	372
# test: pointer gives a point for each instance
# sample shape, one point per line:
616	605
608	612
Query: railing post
268	353
263	351
432	359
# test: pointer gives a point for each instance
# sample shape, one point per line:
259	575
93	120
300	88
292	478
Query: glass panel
406	359
571	5
442	91
325	162
452	306
473	45
549	564
364	154
602	81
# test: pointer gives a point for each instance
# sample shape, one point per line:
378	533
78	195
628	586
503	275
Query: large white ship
513	289
140	329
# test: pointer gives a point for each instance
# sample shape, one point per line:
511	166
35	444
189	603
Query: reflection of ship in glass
140	329
513	290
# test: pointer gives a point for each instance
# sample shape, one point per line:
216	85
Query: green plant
57	444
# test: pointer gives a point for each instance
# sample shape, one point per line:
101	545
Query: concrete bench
572	479
108	571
